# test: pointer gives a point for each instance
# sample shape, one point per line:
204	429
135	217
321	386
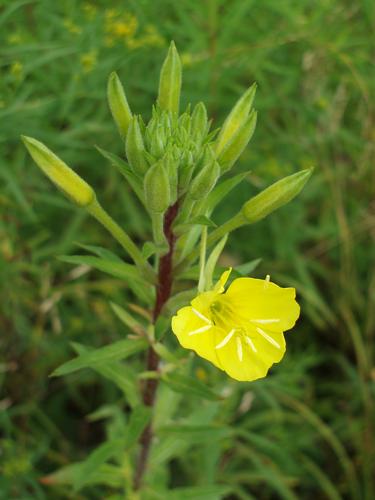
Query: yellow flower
239	330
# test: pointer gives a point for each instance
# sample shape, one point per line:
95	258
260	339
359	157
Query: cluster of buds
174	160
176	155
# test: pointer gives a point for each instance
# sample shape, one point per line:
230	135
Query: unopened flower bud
235	119
238	143
135	149
205	180
199	122
185	171
118	104
73	186
275	196
156	188
170	81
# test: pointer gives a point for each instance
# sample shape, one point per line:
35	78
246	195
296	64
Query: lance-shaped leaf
92	359
71	184
118	104
170	81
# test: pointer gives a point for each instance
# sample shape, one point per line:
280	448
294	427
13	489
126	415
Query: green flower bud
170	81
157	189
235	119
275	196
118	104
171	165
205	180
238	143
135	149
157	143
199	122
185	171
73	186
185	122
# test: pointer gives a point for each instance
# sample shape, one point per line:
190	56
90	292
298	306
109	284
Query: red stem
163	292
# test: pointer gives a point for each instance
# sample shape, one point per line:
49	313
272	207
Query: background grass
307	430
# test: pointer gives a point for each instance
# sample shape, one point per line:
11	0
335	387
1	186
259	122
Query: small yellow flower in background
16	70
239	330
72	27
89	60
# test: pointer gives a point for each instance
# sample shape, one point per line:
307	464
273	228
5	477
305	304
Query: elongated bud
205	180
275	196
157	190
118	104
240	140
135	149
71	184
171	166
199	121
185	171
235	119
170	81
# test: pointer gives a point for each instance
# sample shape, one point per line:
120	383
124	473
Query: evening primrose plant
180	170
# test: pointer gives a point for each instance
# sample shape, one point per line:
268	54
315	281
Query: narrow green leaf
119	270
92	359
189	385
125	170
104	253
196	433
248	267
127	318
222	189
212	260
209	492
105	474
139	419
118	373
97	458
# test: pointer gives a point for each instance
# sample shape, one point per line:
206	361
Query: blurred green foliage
306	431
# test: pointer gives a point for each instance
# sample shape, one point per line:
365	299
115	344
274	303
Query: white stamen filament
226	339
239	348
200	315
251	343
200	330
264	321
267	337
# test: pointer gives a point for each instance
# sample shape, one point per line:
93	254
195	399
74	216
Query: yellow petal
264	304
186	325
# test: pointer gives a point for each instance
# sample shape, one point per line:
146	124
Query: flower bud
185	171
235	119
170	81
238	143
73	186
118	104
157	189
171	165
135	149
199	122
205	180
275	196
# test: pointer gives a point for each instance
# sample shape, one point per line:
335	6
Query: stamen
239	348
264	321
200	330
267	337
251	343
226	339
266	281
200	315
